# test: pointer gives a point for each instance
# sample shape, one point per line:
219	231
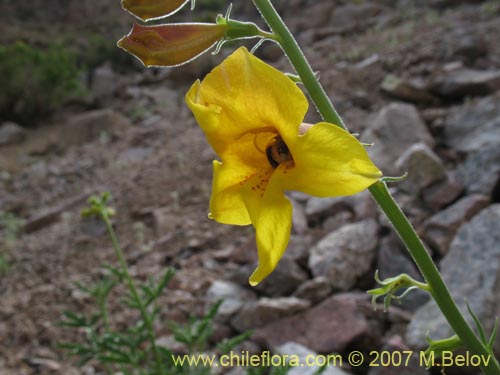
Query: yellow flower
251	114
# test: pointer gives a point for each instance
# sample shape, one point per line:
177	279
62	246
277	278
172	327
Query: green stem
103	308
439	290
135	294
380	192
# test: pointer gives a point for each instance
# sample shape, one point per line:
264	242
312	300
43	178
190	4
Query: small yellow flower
251	114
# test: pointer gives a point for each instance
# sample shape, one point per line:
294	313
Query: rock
89	125
244	252
287	276
399	88
318	209
299	358
440	229
44	365
365	206
103	83
134	155
170	342
474	126
266	310
471	269
328	327
345	254
467	43
354	17
284	280
299	248
395	128
392	261
11	133
423	166
299	219
51	215
481	171
314	290
337	221
396	345
321	12
233	296
443	193
463	82
165	220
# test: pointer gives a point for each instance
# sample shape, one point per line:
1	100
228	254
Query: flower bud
171	44
152	9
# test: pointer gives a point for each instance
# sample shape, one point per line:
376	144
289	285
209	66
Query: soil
156	164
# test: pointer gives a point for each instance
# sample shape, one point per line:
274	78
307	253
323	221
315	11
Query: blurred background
79	116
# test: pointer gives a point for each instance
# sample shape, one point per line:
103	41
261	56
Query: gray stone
104	83
466	43
443	193
11	133
474	126
135	155
299	219
399	88
413	366
337	221
354	17
471	269
300	357
51	215
481	171
328	327
298	249
233	296
423	166
90	125
318	209
314	290
460	83
395	128
345	254
266	310
284	280
440	229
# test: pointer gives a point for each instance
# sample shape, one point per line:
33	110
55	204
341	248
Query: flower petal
152	9
245	95
226	204
329	162
271	215
171	44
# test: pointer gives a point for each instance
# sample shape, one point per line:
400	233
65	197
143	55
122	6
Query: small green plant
135	349
36	82
11	227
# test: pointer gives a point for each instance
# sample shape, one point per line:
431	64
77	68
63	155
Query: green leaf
478	324
228	344
439	346
493	335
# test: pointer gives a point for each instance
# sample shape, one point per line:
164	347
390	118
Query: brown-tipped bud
171	44
152	9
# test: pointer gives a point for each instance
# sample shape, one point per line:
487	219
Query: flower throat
277	152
